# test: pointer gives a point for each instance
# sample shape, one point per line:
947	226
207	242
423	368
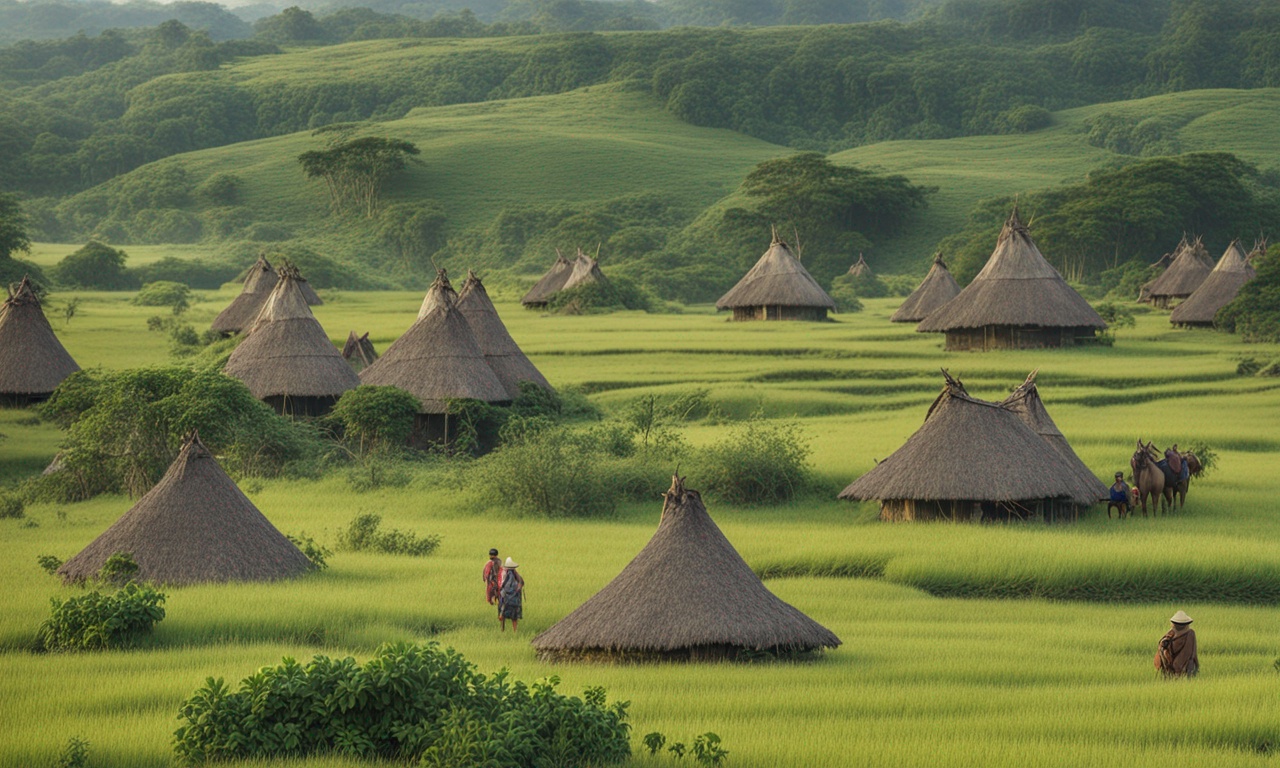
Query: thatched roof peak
586	269
501	352
663	601
1026	402
937	288
777	279
548	284
1190	266
1016	287
440	294
1259	250
860	268
1221	286
259	282
358	351
32	360
194	526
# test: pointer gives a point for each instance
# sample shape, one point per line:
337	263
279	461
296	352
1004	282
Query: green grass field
921	678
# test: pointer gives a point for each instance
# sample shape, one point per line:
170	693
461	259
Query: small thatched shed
778	287
971	460
688	595
358	351
258	284
194	526
286	359
500	350
1218	289
586	270
32	360
1025	401
437	360
860	268
1190	266
1017	301
547	286
937	288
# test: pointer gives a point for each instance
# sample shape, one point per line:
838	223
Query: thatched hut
688	595
1189	268
1218	289
778	287
586	270
1017	301
32	360
860	268
286	359
1025	401
500	350
437	360
194	526
258	284
971	460
358	351
547	286
937	288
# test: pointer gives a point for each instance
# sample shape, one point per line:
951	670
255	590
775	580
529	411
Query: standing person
1120	496
511	596
492	575
1176	654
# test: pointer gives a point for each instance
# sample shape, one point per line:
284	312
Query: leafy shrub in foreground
548	471
408	701
94	621
760	462
363	535
75	754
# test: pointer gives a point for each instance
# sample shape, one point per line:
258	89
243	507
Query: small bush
164	293
317	554
549	472
845	296
760	462
120	568
49	564
75	754
11	507
1206	454
1270	371
1249	366
363	534
376	418
1024	119
96	267
95	621
1116	315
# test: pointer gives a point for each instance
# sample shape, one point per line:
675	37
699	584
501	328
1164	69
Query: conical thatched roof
687	589
194	526
32	360
585	270
438	358
500	350
1025	401
1218	289
1190	266
308	293
550	283
358	351
242	311
287	353
777	279
1017	287
937	288
968	450
860	268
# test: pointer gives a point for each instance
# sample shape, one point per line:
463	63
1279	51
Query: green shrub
1249	366
1024	119
759	462
363	535
164	293
198	273
1116	315
119	569
317	554
549	472
49	564
376	418
11	507
96	267
221	188
75	754
845	296
1205	453
416	702
95	621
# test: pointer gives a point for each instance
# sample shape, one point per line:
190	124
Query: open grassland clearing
922	678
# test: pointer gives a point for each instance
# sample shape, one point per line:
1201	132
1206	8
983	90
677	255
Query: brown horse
1148	479
1175	479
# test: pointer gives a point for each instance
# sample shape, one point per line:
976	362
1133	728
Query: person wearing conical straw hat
510	596
1176	652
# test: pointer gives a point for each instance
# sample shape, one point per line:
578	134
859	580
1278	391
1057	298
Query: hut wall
810	314
300	406
22	399
1016	337
698	653
915	510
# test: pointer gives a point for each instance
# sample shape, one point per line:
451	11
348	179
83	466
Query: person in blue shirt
1120	496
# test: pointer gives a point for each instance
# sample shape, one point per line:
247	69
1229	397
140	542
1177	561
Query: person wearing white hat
1176	652
511	596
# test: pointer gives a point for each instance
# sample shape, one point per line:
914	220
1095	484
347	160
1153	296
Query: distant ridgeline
77	112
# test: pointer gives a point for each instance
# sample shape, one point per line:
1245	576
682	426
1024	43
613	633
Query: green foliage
408	701
96	622
1116	315
363	535
13	229
608	296
1255	311
414	231
654	742
707	750
542	469
49	564
316	553
1249	366
11	507
354	172
534	401
119	569
1024	119
197	273
1205	452
1124	282
75	754
1134	136
376	418
845	294
95	266
221	188
164	293
759	462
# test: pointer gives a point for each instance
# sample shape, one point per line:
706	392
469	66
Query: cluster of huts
564	275
1195	286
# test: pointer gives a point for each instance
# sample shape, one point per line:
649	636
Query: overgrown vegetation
363	534
96	267
759	462
1255	312
415	702
97	622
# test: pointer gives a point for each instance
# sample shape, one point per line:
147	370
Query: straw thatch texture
1019	291
586	270
309	293
777	280
194	526
438	358
968	450
500	350
1218	289
860	268
937	288
244	309
287	356
687	594
1191	265
358	351
549	284
1026	403
32	360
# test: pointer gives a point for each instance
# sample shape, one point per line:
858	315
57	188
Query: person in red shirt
492	575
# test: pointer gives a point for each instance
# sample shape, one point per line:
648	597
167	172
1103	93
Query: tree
13	227
355	171
95	266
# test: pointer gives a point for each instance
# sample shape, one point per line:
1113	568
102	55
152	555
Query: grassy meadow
963	645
